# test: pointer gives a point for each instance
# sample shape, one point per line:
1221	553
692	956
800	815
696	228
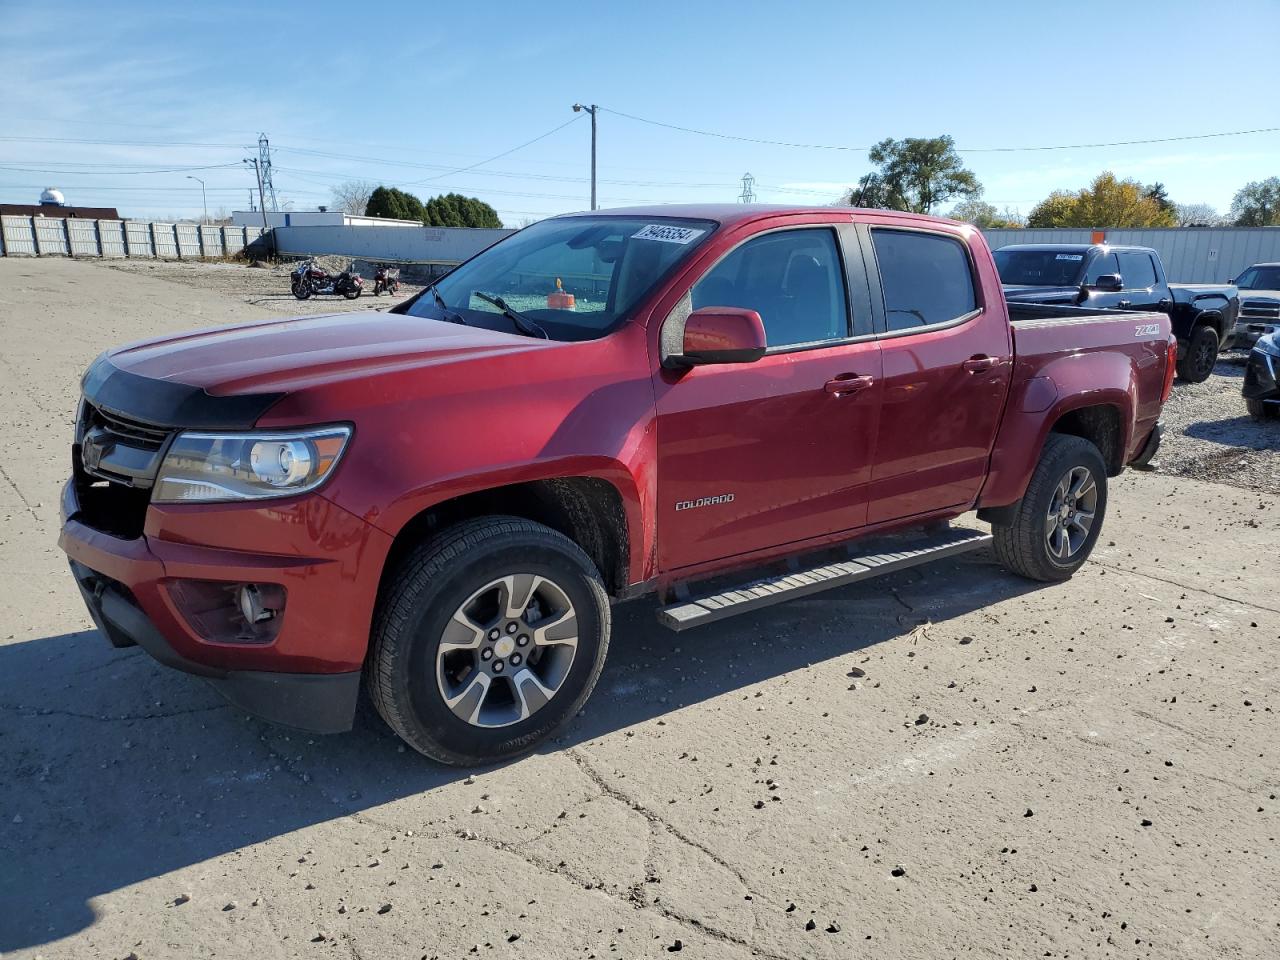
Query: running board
767	591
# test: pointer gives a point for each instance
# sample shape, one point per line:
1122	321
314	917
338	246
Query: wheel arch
588	510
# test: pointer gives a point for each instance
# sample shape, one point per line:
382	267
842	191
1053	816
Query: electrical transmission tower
748	194
264	170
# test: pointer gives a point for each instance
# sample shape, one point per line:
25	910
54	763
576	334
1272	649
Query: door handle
979	364
848	383
1124	304
1164	303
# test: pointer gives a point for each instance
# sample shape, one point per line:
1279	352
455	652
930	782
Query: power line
829	146
4	166
499	156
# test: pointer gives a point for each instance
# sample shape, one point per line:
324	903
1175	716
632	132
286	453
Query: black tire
1201	355
351	292
1022	546
419	601
301	290
1261	411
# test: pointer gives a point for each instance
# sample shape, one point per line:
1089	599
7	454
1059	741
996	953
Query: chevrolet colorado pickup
1127	278
726	406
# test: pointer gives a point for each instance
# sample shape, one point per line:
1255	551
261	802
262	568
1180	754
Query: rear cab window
1137	270
926	279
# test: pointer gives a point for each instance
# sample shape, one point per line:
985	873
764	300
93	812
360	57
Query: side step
767	591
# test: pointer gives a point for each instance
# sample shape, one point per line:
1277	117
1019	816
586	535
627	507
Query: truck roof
733	213
1075	247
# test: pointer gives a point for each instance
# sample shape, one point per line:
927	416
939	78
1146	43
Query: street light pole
204	197
578	108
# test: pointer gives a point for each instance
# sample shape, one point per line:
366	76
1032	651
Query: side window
792	278
1137	271
925	278
1101	265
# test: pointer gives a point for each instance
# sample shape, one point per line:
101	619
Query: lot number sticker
668	234
1069	256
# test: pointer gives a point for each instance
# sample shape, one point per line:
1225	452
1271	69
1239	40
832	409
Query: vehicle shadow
1242	431
118	770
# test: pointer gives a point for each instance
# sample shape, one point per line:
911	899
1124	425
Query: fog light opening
252	606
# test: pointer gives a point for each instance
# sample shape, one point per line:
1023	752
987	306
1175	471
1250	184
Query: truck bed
1022	312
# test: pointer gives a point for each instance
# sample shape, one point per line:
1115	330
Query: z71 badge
704	502
1147	330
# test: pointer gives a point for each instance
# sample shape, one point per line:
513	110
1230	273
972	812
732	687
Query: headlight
1269	345
211	467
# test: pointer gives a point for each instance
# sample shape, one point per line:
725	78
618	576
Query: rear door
947	362
1142	289
753	456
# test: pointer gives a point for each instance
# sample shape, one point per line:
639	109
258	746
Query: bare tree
352	196
1197	215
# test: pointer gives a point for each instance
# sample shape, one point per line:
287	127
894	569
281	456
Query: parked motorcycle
387	279
309	279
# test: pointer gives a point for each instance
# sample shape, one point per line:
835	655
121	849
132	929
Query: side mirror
1108	282
719	335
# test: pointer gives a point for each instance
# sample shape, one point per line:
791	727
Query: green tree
455	210
394	204
1257	204
1157	193
1107	202
916	174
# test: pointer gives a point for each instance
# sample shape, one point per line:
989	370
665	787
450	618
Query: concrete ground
949	762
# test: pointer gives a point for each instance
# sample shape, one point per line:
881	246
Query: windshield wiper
449	314
526	325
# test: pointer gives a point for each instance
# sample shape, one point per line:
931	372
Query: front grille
114	491
133	433
1260	309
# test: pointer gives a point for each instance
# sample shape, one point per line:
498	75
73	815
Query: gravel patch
1210	436
265	287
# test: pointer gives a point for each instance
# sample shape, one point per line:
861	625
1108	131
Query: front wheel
487	640
1202	353
301	289
1060	516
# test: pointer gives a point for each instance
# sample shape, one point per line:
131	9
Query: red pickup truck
726	406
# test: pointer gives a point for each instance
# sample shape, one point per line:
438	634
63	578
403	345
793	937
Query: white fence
71	237
390	244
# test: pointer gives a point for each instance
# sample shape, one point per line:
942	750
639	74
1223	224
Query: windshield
1040	268
1260	278
574	277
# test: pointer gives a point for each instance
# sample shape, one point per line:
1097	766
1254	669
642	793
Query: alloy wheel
1071	513
507	650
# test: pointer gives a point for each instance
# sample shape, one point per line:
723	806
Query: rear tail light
1170	368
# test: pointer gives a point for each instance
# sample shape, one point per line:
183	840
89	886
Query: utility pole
262	203
204	198
264	169
748	194
578	108
252	206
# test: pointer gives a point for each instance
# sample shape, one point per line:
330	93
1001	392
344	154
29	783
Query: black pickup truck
1125	278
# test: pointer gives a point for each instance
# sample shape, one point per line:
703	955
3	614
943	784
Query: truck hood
1038	294
281	356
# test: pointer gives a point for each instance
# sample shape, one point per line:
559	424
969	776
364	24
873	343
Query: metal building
1189	254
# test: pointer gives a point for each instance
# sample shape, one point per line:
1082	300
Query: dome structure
52	197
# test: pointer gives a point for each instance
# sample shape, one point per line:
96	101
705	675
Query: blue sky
407	93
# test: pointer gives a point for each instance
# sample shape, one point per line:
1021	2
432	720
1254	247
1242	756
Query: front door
1141	288
947	367
752	456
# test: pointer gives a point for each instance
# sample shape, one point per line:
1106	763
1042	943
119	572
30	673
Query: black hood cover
165	403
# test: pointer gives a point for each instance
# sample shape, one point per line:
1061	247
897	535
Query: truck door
947	360
756	455
1095	298
1142	289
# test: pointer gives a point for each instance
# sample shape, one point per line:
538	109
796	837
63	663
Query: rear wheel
1261	411
1059	518
1201	355
487	640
